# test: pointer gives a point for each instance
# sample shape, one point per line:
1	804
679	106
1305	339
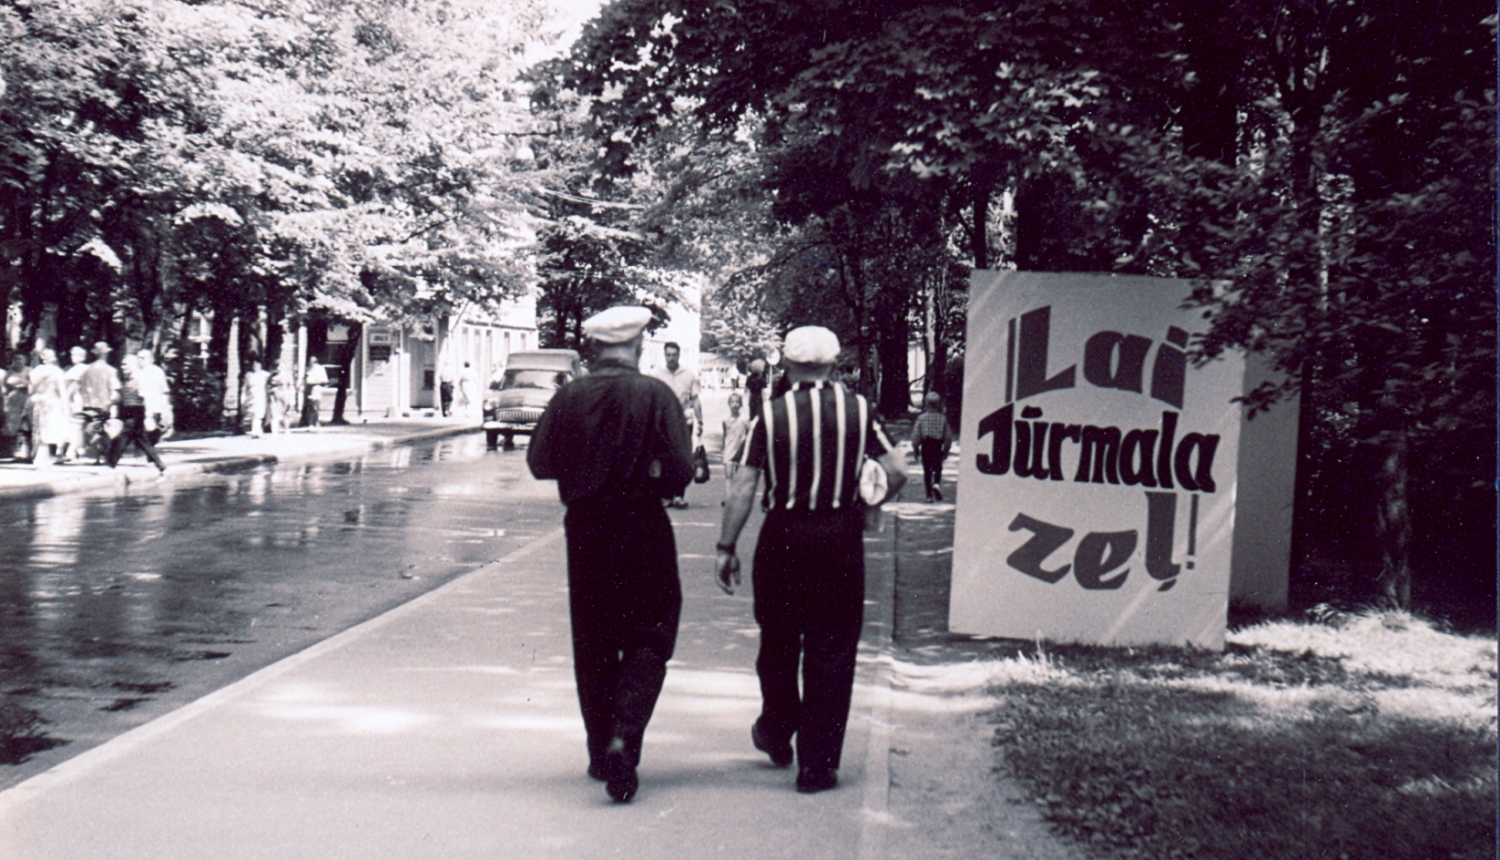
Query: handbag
700	465
874	483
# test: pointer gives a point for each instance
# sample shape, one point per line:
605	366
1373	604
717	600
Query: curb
230	463
215	464
877	776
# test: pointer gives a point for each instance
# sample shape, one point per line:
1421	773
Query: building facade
398	370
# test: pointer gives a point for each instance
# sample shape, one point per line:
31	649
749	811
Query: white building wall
402	373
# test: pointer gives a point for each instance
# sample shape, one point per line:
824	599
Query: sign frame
1100	468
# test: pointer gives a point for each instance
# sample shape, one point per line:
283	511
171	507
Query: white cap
811	344
617	324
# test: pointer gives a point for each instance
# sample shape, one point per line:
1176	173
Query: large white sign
1099	467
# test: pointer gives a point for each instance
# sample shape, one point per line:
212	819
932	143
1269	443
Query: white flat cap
617	324
811	344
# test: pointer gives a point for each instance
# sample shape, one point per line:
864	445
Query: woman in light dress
468	392
50	419
257	396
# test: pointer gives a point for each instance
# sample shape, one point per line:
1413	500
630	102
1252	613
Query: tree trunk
560	318
1393	526
232	376
937	362
286	360
893	337
1209	109
979	236
346	366
183	346
1030	226
929	332
851	273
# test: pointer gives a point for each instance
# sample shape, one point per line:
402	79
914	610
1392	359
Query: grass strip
1260	752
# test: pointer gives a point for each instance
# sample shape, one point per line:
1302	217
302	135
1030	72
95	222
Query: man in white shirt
158	396
684	383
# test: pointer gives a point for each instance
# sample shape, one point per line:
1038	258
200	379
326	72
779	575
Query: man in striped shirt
809	563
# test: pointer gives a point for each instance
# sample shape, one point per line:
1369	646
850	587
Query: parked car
516	400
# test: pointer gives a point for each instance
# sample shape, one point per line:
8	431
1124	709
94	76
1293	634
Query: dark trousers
94	440
154	436
625	599
809	602
134	419
932	464
312	406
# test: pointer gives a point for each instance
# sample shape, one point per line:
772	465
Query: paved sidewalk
201	454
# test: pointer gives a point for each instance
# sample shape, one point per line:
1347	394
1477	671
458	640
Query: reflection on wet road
116	608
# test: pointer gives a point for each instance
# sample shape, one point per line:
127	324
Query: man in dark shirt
132	409
755	384
810	443
617	445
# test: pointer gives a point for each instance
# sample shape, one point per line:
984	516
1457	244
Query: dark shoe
781	755
619	774
811	780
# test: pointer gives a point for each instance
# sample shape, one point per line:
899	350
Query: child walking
933	438
736	428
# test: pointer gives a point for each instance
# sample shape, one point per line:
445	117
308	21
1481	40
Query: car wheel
491	439
510	442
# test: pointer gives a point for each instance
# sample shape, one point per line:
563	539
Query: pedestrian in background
157	393
257	396
778	383
445	384
48	399
13	418
132	414
736	427
811	444
684	383
99	394
468	392
314	383
755	384
932	436
73	377
616	443
283	400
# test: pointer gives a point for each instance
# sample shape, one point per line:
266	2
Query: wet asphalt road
116	608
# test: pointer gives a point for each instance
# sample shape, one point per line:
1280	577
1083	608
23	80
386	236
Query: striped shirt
810	443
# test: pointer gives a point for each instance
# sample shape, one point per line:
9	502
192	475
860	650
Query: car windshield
546	379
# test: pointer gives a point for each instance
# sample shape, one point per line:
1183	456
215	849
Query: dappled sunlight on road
710	692
477	670
568	725
311	703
